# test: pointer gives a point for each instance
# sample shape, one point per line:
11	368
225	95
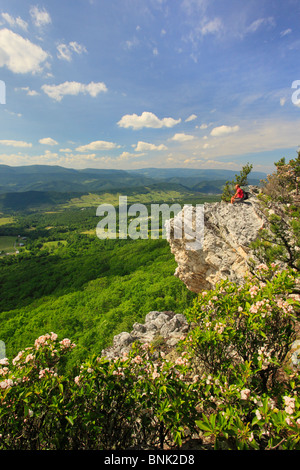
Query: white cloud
50	158
130	44
191	118
65	50
57	92
15	143
48	141
40	17
28	90
211	27
98	145
128	155
15	21
181	137
67	150
223	130
285	32
255	137
20	55
144	146
255	25
146	120
13	114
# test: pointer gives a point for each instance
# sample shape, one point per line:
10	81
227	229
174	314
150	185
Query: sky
130	84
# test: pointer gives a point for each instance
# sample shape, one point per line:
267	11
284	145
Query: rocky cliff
228	231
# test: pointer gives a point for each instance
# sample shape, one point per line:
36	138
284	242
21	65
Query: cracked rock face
228	231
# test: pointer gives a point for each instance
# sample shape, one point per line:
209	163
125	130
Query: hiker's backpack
246	195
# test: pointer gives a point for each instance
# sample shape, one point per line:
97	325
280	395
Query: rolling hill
59	179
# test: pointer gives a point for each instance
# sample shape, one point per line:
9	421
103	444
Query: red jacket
239	193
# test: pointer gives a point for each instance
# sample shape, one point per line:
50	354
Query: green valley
65	279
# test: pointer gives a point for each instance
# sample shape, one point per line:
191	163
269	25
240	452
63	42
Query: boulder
167	326
223	251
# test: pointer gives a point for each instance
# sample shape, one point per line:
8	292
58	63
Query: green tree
240	179
280	239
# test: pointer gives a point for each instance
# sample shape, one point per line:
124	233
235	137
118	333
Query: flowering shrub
138	400
32	396
224	384
254	322
241	340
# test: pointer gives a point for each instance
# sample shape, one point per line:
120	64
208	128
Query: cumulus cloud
20	55
128	155
146	120
40	17
15	143
144	146
48	141
191	118
97	145
223	130
65	51
181	137
57	92
29	92
15	21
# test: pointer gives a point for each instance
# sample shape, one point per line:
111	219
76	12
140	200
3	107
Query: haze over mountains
60	179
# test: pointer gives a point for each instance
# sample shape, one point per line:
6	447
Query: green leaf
70	420
203	426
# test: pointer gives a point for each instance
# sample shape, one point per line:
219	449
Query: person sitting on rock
239	195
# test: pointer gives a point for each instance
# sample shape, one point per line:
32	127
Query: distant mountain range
46	178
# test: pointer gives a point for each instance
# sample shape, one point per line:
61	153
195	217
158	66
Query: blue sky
132	84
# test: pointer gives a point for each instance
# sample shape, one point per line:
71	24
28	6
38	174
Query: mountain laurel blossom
245	394
289	405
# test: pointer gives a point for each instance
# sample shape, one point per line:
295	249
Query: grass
6	220
52	246
151	197
8	244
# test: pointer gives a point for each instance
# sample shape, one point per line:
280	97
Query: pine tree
280	241
241	180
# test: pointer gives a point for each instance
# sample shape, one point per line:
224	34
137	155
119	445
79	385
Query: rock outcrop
159	327
228	231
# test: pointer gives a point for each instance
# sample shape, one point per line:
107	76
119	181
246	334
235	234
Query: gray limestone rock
169	326
228	230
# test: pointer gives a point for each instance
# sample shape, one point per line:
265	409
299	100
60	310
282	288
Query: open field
6	220
148	197
8	244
